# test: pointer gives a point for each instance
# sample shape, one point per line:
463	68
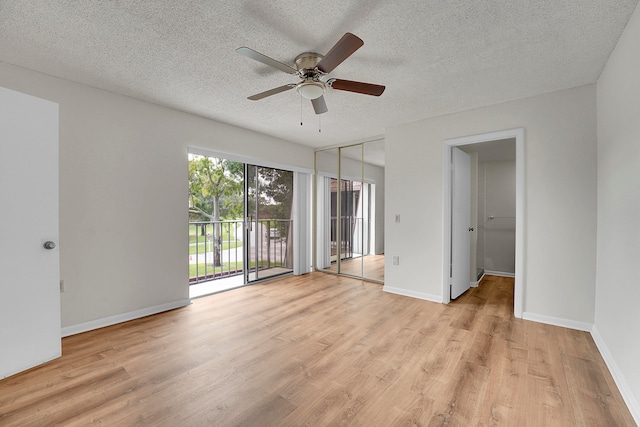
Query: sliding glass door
240	223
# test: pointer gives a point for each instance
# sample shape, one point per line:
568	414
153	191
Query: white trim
518	134
557	321
498	273
412	294
618	377
124	317
446	218
246	159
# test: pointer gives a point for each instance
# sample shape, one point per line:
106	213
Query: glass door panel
269	204
216	210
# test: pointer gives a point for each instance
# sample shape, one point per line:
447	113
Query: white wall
560	199
123	193
498	189
617	318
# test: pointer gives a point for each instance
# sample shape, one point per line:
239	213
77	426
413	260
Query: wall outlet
61	285
398	218
396	260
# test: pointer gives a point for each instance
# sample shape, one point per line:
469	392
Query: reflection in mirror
326	170
351	220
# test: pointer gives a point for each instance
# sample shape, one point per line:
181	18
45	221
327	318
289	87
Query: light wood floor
323	350
368	266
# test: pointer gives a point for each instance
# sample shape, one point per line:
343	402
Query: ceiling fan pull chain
319	123
300	110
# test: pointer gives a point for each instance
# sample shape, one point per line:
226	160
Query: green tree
277	192
214	184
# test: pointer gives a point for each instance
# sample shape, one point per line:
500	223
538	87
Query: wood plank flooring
323	350
368	267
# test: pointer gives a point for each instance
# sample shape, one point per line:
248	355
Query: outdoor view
222	193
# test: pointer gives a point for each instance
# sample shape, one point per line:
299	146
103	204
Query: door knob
49	245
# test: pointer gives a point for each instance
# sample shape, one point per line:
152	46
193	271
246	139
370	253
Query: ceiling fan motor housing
311	87
306	62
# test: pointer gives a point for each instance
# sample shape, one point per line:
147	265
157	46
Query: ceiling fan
312	69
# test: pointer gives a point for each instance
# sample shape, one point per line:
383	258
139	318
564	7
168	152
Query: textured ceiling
434	56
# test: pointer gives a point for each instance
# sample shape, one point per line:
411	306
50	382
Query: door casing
448	144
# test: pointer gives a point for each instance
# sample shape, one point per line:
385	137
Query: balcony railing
217	248
354	240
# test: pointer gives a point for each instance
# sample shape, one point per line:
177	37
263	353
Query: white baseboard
498	273
477	283
412	294
124	317
557	321
628	396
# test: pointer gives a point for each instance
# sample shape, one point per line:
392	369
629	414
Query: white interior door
29	278
460	222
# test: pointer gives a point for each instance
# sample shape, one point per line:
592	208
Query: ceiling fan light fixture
310	89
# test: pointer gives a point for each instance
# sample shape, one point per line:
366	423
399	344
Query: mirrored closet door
349	216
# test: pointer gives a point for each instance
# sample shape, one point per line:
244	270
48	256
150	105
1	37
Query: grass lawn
228	232
200	248
223	269
210	270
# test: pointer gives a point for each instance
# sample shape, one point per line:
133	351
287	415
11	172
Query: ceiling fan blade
358	87
319	105
270	92
250	53
339	52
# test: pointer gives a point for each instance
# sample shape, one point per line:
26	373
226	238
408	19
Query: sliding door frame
302	252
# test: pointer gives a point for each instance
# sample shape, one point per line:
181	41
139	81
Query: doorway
493	208
448	249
